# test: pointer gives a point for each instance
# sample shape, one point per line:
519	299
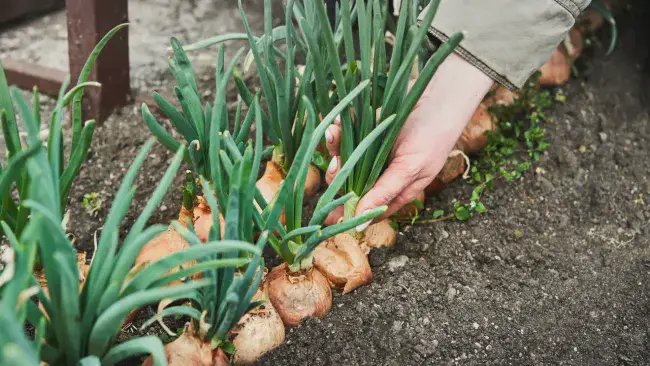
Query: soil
556	272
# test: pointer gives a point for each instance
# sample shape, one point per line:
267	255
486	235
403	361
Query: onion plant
15	214
15	347
82	325
283	120
216	309
295	244
193	122
389	93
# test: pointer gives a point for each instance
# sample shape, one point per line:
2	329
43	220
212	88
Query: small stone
568	158
397	262
451	293
426	321
546	184
603	136
397	326
475	325
163	208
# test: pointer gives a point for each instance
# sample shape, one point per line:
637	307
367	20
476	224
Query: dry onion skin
188	349
84	268
500	95
297	296
166	243
574	44
474	138
381	234
455	166
557	70
258	332
312	183
411	209
341	260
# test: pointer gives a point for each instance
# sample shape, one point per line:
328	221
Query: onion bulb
312	182
411	209
203	220
297	296
188	349
574	44
269	184
500	95
39	274
589	22
557	70
474	138
457	164
257	332
381	234
341	260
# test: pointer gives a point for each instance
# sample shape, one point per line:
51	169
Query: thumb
390	185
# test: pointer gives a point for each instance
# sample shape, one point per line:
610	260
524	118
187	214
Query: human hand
427	137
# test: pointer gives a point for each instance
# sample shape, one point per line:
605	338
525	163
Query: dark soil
573	289
557	271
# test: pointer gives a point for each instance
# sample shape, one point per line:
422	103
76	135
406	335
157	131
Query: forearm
449	102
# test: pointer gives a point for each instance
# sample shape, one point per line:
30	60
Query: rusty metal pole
88	22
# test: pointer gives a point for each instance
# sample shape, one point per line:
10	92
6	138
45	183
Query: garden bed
557	270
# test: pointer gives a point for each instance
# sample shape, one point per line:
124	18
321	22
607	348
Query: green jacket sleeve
507	39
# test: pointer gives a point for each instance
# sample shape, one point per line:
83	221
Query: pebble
569	158
475	325
397	262
603	136
546	184
451	293
397	326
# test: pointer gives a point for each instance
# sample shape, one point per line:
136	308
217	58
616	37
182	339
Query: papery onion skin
343	262
187	349
257	332
557	70
297	296
474	137
454	167
411	209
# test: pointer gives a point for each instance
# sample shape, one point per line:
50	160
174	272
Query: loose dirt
557	271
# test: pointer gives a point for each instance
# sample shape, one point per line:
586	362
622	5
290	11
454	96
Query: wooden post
88	22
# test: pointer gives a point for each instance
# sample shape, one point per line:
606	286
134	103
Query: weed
513	148
92	203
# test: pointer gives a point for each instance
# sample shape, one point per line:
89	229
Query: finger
397	177
332	169
407	196
333	139
334	216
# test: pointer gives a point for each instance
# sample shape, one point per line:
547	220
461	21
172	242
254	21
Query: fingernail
334	164
328	136
365	225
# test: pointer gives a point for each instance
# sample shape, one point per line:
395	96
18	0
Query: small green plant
92	203
512	149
